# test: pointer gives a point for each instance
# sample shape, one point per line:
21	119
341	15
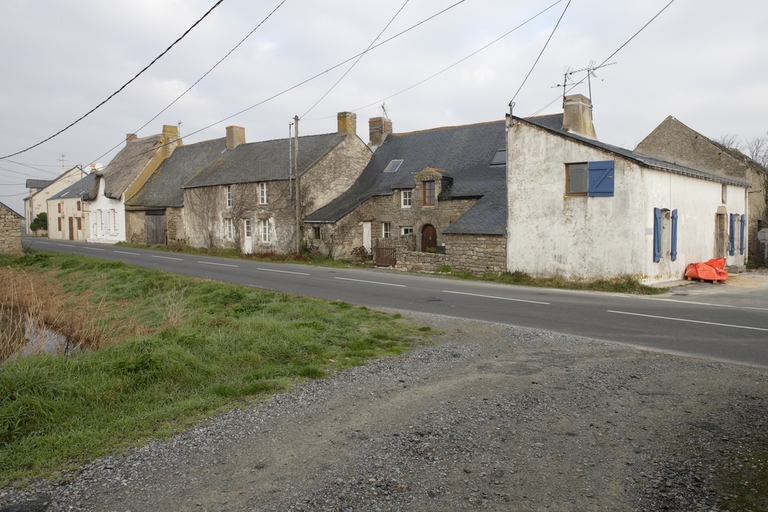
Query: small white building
67	213
584	210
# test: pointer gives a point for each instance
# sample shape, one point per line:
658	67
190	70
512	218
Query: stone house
674	141
154	215
42	190
584	210
436	195
121	179
10	230
67	218
247	197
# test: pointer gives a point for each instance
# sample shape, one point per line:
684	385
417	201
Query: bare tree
757	149
729	141
203	207
245	199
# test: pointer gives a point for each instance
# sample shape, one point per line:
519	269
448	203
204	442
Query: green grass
172	351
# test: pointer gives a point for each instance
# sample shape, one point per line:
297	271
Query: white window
264	228
386	229
406	198
113	216
229	196
406	231
248	230
262	193
229	228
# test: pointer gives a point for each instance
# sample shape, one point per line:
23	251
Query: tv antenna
383	108
590	69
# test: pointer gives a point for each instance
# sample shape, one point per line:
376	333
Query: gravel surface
488	417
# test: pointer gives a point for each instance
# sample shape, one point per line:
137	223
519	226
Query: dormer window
500	158
393	166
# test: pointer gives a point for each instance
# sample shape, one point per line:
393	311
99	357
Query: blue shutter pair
657	235
601	178
732	235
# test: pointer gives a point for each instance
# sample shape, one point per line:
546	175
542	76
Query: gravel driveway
488	417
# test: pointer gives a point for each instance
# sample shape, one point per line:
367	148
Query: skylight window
500	158
393	166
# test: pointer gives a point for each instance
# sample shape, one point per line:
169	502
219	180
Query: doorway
428	238
721	235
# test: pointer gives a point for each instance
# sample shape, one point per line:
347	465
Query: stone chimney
171	139
235	136
130	137
347	123
378	129
577	116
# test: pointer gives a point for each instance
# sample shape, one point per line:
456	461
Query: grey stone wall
477	254
10	231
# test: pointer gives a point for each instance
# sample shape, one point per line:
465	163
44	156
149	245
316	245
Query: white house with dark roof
122	178
246	198
42	190
584	210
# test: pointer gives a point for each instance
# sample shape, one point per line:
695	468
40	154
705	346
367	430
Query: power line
463	59
606	60
117	91
541	52
199	79
358	59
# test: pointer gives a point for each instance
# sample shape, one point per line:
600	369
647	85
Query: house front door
71	228
248	239
428	238
721	235
367	236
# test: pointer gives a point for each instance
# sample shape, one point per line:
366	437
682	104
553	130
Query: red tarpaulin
712	270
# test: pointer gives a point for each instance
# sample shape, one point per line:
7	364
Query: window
500	158
262	193
593	179
264	228
59	219
406	198
79	223
386	229
78	206
316	232
229	229
229	196
724	194
248	228
406	231
428	192
59	205
113	221
393	166
664	234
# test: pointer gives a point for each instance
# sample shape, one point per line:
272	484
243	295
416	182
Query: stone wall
477	254
10	231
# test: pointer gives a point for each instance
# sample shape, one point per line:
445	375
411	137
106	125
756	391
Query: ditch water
21	335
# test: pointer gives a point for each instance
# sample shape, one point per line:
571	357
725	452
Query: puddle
21	335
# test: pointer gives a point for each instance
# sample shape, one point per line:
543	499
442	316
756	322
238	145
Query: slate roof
77	189
465	154
39	184
264	161
550	123
126	166
164	188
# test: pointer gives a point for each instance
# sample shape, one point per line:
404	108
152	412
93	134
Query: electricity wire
117	91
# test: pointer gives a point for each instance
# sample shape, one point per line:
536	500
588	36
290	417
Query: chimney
347	123
378	129
130	137
235	136
577	116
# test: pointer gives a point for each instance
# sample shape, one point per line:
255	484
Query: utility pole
298	184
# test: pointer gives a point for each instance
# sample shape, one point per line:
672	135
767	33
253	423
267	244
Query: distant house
432	191
42	190
67	217
585	210
247	199
674	141
122	178
10	230
154	214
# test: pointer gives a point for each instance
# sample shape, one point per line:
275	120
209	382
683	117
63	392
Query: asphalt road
721	324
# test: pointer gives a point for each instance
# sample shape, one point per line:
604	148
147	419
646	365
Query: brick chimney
378	129
577	116
130	137
347	123
235	136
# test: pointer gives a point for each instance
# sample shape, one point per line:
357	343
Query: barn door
156	228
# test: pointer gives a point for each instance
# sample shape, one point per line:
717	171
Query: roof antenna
590	69
384	109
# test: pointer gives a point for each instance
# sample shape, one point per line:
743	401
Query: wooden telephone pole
298	187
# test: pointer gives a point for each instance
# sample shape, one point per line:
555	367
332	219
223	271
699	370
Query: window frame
263	192
264	231
406	230
406	198
386	230
428	196
582	166
229	196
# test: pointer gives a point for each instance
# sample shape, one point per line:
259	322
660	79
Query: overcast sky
701	61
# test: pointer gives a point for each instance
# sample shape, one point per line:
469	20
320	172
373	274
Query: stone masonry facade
10	231
477	254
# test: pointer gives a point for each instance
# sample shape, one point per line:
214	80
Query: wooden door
156	227
428	238
71	228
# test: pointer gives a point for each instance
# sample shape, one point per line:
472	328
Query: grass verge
162	352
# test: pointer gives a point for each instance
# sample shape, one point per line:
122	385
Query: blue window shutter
732	236
673	249
656	235
741	234
601	178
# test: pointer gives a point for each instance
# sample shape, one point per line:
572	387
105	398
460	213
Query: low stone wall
475	254
10	231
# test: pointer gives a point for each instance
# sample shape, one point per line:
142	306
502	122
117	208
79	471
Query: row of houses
539	195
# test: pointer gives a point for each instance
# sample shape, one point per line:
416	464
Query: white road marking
219	264
282	271
370	282
90	248
64	245
495	297
128	253
691	321
708	304
168	258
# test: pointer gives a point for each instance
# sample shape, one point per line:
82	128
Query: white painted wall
107	218
587	238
